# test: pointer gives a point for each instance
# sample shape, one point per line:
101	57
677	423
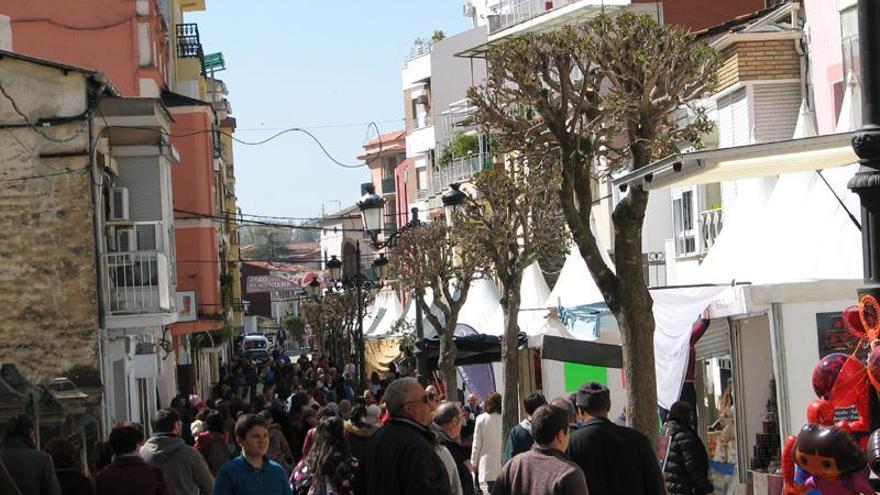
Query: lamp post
372	208
866	182
452	200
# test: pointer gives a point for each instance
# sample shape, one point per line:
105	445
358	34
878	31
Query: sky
313	64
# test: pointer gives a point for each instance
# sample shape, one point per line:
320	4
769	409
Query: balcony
136	283
513	12
460	170
711	223
419	49
188	43
388	186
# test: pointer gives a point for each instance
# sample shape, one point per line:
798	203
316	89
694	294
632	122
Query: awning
744	162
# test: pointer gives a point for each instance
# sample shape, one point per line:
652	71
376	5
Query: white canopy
386	311
482	311
575	285
533	293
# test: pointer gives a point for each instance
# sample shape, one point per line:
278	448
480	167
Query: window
683	213
849	36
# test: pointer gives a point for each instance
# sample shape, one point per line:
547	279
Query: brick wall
758	60
47	267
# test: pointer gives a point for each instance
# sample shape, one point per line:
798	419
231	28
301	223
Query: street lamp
372	208
315	287
335	266
452	200
381	267
866	182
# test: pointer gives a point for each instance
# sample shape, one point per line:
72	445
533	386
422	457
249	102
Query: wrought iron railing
711	223
136	282
512	12
459	170
188	43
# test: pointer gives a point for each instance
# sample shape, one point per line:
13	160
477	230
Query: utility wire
37	129
43	176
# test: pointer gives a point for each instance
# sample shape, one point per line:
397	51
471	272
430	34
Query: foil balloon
874	451
835	463
874	367
853	321
826	372
820	412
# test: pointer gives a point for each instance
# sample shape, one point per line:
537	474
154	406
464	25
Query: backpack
304	483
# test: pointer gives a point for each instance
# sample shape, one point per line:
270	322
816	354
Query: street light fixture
372	208
335	266
381	267
315	287
452	200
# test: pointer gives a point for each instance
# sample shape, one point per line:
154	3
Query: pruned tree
433	258
514	217
334	319
607	96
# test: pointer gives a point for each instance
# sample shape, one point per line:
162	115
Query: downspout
98	228
803	57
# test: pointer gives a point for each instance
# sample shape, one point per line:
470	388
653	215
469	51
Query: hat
593	396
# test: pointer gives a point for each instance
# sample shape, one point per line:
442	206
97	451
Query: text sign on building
269	283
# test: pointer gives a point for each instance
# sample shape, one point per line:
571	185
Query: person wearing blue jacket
252	473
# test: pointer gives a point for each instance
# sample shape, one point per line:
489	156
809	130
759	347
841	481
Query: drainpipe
803	57
94	173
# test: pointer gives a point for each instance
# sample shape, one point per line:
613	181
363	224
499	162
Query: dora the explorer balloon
836	464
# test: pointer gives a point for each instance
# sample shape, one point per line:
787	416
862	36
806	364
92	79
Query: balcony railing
512	12
421	121
188	43
711	223
460	170
419	49
136	282
388	186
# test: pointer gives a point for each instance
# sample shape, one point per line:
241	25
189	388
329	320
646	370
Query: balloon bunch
832	453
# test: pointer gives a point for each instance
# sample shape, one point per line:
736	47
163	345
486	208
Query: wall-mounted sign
186	306
269	283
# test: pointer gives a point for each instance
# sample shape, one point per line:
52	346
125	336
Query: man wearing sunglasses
405	461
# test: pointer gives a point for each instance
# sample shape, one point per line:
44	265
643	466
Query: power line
231	217
43	176
40	131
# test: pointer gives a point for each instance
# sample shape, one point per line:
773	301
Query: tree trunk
635	316
446	362
510	358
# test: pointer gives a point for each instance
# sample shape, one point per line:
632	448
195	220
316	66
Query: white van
257	346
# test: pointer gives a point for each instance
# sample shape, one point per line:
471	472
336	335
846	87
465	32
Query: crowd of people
300	428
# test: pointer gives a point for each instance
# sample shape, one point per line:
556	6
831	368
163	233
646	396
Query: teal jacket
239	477
518	441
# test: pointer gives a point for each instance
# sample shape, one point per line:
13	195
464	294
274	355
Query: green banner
578	374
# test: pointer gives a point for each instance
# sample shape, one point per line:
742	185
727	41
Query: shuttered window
733	119
776	111
715	342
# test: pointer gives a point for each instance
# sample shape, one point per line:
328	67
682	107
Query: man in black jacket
615	459
403	460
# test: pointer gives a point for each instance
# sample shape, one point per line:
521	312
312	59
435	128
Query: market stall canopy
385	312
471	349
482	311
800	227
743	162
533	294
575	285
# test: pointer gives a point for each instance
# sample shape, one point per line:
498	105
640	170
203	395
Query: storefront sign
269	283
186	306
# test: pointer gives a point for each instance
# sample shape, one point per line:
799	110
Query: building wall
826	60
452	76
193	181
699	14
50	323
759	60
125	40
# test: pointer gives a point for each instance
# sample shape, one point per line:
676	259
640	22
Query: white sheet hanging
675	311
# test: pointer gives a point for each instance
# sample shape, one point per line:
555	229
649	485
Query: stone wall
47	266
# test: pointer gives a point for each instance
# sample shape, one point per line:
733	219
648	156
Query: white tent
533	293
575	285
386	311
482	311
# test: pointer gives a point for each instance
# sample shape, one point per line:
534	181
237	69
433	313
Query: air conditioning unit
119	204
469	10
126	240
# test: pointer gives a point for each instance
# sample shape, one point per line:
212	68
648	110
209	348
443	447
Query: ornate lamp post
866	182
452	200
